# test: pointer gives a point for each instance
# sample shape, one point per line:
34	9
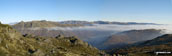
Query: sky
153	11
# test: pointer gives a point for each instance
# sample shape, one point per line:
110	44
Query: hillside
130	37
13	43
147	48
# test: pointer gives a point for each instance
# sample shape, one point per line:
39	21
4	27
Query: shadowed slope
130	37
148	48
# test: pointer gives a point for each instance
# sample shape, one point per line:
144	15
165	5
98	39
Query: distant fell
42	23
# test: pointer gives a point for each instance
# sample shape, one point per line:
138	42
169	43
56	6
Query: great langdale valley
85	28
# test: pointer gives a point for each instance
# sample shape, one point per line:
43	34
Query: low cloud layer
116	28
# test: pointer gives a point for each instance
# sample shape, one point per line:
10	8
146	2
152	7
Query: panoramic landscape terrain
97	38
85	28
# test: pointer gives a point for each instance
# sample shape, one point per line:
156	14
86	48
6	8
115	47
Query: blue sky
155	11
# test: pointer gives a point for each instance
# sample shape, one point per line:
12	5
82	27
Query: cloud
116	28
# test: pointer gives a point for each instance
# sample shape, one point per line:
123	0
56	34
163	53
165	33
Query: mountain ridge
42	24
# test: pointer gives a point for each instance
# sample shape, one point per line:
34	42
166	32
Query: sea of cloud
116	28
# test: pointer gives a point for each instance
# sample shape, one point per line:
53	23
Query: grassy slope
13	43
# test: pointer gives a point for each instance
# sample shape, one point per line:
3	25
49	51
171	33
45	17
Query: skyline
151	11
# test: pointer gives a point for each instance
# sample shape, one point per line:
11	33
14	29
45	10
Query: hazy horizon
77	20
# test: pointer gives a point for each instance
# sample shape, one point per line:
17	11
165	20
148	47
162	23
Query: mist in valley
99	35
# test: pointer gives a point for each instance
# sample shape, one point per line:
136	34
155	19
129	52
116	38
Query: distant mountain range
41	24
44	23
123	23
